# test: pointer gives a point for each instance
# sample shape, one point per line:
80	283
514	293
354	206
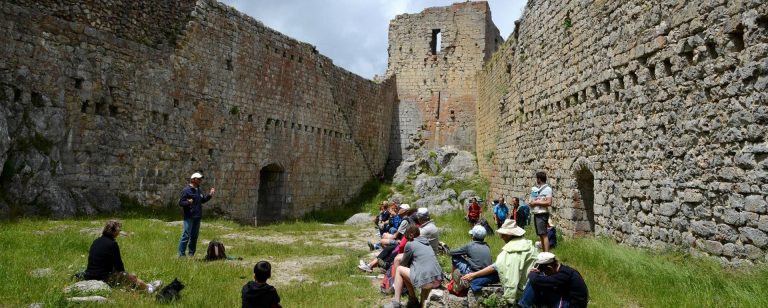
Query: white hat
196	175
405	206
477	232
510	228
423	211
545	258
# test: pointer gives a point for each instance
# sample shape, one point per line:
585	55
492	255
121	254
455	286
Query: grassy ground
314	264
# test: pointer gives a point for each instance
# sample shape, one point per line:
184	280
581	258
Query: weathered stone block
755	236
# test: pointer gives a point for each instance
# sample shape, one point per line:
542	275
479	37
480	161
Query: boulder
441	298
398	197
405	169
432	200
426	185
41	272
92	299
464	195
359	219
445	155
88	287
462	166
444	207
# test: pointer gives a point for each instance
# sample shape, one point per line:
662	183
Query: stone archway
584	201
270	207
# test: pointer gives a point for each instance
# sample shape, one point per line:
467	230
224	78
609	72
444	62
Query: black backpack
215	251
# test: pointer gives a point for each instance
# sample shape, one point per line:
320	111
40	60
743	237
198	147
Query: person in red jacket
474	212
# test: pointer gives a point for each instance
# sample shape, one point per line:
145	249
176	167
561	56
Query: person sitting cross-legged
474	257
106	264
552	284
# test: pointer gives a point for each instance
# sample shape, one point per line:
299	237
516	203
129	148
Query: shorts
540	222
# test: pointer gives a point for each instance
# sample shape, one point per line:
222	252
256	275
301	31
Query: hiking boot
370	246
365	268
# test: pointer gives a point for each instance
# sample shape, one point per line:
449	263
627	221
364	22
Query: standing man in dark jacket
258	293
106	264
191	201
552	284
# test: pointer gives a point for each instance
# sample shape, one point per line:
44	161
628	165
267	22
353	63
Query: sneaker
370	246
361	262
538	244
154	286
365	268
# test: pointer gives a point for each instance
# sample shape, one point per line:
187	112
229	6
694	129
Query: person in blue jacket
191	201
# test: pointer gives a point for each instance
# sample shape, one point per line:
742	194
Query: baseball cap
545	258
196	175
477	232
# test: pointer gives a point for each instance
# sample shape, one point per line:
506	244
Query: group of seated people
105	263
529	278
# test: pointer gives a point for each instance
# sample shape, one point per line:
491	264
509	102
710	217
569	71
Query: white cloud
353	33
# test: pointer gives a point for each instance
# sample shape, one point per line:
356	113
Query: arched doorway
272	193
584	211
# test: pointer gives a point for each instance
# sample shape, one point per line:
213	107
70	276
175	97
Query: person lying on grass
106	264
418	269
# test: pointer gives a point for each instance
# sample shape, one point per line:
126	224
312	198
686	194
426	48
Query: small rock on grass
95	299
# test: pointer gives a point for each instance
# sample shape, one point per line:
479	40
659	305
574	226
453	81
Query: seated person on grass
392	239
427	228
258	293
106	264
474	257
419	269
552	284
512	263
392	254
381	221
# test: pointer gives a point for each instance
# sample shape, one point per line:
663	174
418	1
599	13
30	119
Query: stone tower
435	55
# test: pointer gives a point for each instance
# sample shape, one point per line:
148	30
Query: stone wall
649	117
93	113
436	86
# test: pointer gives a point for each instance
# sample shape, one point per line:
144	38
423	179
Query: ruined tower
435	55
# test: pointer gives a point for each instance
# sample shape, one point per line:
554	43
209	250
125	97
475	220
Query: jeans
479	282
189	236
530	298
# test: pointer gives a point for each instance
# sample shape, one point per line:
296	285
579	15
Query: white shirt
544	191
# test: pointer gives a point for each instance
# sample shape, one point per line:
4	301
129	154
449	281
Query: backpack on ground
388	282
484	223
215	251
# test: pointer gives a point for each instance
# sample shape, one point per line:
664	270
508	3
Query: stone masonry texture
103	102
650	118
436	87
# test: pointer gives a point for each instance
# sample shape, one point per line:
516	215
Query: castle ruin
649	117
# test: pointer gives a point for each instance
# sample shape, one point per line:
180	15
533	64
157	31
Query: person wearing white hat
191	201
552	284
473	257
512	263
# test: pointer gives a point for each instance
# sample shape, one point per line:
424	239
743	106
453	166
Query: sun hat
545	258
196	175
510	228
477	232
423	211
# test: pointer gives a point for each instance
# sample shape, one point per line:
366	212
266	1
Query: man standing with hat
191	201
512	263
552	284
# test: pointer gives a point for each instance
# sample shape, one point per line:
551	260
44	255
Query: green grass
617	276
371	195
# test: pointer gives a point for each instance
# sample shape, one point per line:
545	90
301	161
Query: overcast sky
354	32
